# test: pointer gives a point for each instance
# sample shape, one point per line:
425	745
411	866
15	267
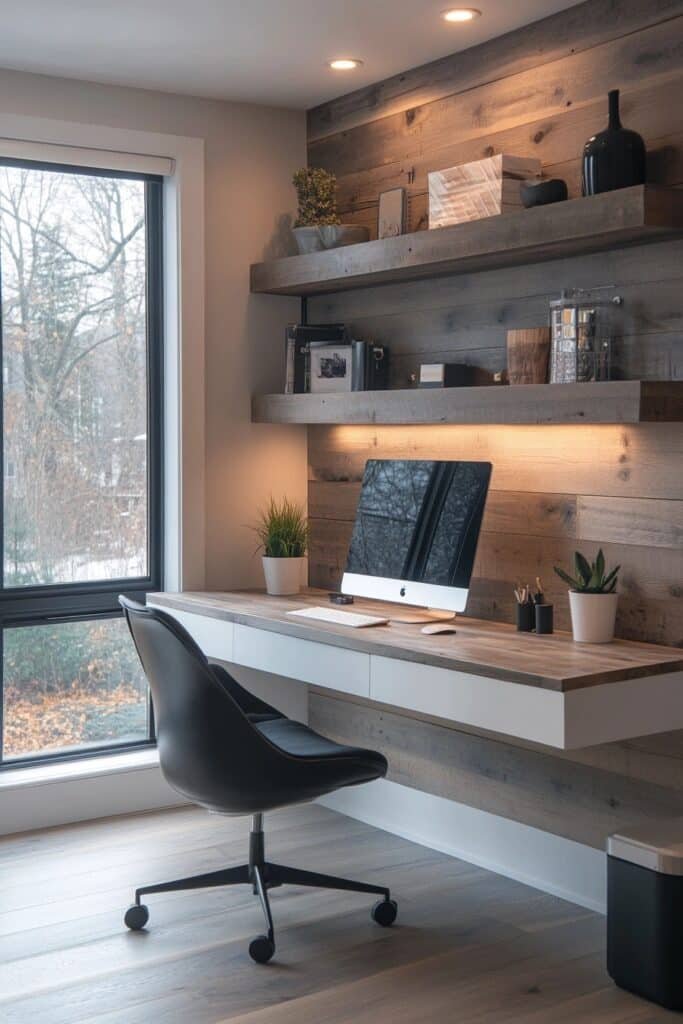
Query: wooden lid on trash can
657	845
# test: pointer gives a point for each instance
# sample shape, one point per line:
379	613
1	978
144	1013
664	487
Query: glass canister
581	328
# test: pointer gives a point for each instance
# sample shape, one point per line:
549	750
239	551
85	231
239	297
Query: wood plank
627	216
472	937
462	318
635	461
546	90
665	167
502	558
568	32
643	521
664	162
486	940
653	357
607	402
492	650
657	759
96	973
477	321
429	987
532	786
506	512
628	272
650	606
556	140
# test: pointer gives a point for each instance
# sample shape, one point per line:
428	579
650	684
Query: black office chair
232	753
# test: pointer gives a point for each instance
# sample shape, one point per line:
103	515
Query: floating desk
545	689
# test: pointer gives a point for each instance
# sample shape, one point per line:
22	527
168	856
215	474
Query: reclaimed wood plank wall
538	92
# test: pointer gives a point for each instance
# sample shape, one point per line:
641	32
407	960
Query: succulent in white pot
283	538
593	599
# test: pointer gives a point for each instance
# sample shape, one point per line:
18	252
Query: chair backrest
208	749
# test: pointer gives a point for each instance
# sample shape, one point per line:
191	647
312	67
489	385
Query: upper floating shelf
643	213
619	401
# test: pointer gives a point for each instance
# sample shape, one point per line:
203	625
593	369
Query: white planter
283	575
593	617
329	236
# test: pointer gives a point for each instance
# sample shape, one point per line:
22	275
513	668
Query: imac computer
416	531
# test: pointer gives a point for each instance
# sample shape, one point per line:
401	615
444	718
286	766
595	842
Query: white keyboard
353	619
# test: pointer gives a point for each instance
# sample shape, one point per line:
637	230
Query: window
81	511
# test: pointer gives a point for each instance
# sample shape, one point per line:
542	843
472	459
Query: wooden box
479	189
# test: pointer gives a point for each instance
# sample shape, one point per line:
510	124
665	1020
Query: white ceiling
262	51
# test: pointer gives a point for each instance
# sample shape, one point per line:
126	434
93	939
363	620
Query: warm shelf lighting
345	63
460	14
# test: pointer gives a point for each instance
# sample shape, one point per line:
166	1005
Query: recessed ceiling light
345	63
458	14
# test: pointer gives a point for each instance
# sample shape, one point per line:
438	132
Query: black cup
544	618
525	618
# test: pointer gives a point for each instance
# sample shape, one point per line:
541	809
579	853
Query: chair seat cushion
355	764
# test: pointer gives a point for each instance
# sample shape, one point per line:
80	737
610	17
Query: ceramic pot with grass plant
317	226
593	599
283	538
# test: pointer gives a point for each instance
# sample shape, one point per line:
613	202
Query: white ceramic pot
336	235
593	617
329	236
308	239
283	575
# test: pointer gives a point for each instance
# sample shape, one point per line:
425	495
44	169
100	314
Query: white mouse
437	627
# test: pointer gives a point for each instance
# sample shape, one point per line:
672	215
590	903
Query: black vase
614	158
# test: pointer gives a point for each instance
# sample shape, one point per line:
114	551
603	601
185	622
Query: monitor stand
421	616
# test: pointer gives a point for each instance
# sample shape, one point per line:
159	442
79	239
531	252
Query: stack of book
324	358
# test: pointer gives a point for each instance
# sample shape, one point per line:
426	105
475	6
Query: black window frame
78	602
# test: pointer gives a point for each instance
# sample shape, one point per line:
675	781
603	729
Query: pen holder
525	618
544	618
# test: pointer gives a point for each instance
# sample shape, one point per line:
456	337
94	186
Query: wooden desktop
545	689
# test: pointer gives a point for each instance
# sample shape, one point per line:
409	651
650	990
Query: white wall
250	155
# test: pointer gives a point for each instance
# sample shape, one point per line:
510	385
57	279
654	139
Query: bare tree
72	255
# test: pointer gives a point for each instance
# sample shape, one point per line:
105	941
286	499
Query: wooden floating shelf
628	401
643	213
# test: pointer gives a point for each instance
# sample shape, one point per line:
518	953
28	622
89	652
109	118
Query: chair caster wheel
136	917
261	949
384	913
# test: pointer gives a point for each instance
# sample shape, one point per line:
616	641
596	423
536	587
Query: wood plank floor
469	945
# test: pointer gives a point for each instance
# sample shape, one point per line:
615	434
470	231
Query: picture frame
392	213
330	367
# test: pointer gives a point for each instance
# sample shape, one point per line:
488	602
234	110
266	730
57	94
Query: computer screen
416	530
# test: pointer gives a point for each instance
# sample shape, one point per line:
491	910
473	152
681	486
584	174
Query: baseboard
562	867
59	794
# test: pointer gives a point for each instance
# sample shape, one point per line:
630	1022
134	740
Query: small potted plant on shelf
592	599
317	225
283	538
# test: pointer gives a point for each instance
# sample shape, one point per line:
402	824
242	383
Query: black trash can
645	911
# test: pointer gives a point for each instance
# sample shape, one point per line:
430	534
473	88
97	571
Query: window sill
83	768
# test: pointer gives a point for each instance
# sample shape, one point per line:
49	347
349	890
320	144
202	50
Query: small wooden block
528	355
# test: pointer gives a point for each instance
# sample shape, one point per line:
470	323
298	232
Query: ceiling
261	51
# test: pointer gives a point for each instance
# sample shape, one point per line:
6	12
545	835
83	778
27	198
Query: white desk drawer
528	712
214	636
311	662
